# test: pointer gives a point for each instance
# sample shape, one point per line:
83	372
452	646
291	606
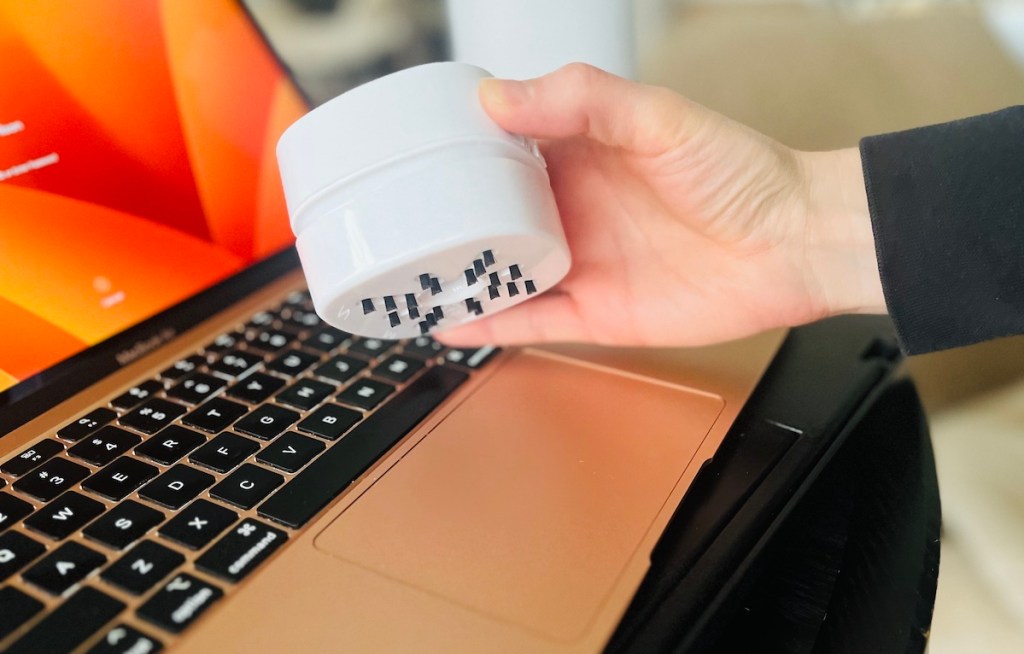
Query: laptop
191	460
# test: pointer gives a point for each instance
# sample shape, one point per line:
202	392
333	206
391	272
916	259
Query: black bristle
414	312
435	285
495	280
470	277
478	266
424	327
389	303
513	290
431	319
424	281
439	313
367	306
473	306
531	288
494	292
395	320
513	270
410	300
488	258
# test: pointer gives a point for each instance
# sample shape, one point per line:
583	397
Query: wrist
840	243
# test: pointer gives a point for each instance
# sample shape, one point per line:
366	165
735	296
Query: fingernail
507	92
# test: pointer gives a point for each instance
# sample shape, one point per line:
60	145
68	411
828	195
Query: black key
152	416
326	339
142	567
71	624
19	608
371	347
120	478
198	524
247	486
86	425
234	362
183	367
366	393
305	393
398	368
196	387
290	452
104	446
124	524
299	299
302	318
242	550
51	479
64	567
176	487
16	551
124	639
270	340
137	394
224	452
340	368
65	515
225	341
331	473
170	444
215	415
423	347
180	602
471	358
267	421
330	421
256	387
31	457
293	362
12	510
262	319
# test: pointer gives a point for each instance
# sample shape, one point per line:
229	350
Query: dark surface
71	624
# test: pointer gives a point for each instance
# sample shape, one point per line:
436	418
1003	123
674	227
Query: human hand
685	227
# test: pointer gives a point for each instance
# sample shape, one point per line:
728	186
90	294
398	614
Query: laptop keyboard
125	525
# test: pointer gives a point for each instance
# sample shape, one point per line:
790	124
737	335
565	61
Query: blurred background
814	74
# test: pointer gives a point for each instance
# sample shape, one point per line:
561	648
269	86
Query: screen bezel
34	395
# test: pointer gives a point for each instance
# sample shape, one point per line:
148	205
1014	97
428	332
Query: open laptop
190	459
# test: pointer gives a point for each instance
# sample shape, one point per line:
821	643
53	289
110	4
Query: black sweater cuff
947	210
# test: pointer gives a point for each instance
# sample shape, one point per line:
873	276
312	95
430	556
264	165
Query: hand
685	228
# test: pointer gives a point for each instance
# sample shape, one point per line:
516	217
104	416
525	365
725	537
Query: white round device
413	210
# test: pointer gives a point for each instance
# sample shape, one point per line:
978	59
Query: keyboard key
471	358
241	550
71	623
340	368
371	347
330	421
198	523
215	415
423	347
177	487
12	510
31	457
16	551
183	367
300	299
326	339
51	479
142	567
225	341
104	446
124	639
235	362
262	319
195	388
224	452
366	393
256	388
331	473
65	515
290	452
180	602
124	524
170	444
305	394
398	368
267	421
302	318
247	486
152	416
270	340
19	608
64	567
120	478
292	362
86	425
137	394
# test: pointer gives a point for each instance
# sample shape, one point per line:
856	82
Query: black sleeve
947	210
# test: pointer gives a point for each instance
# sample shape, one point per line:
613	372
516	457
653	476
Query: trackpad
527	502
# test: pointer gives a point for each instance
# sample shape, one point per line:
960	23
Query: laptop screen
136	165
